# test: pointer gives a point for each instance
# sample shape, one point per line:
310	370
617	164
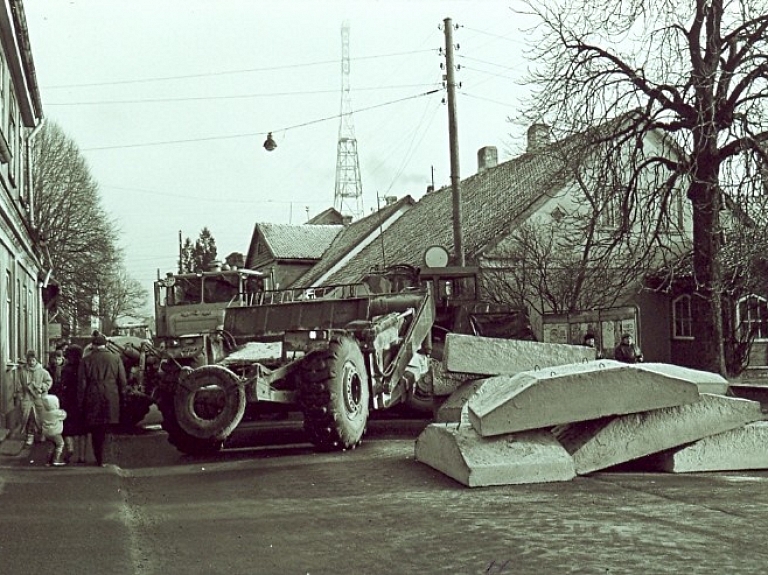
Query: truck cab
189	312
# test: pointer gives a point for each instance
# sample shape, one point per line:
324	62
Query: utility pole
453	137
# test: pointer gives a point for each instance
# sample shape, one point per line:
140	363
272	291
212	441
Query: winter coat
74	424
31	384
101	384
52	417
628	353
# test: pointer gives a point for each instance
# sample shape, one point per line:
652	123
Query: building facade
24	277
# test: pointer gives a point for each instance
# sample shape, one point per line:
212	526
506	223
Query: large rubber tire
179	438
209	402
334	395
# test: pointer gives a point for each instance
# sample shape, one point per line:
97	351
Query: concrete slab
706	381
610	441
738	449
460	453
571	393
454	409
495	356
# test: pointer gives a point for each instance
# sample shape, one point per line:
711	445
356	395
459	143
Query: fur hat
31	354
99	339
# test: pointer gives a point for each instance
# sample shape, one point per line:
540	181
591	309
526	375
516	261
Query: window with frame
752	317
682	318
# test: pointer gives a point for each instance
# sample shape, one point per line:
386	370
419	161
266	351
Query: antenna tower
348	196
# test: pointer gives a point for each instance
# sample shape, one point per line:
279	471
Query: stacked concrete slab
459	452
604	443
562	419
739	449
495	356
468	360
568	393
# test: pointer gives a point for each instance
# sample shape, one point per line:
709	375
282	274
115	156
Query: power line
225	73
252	134
232	97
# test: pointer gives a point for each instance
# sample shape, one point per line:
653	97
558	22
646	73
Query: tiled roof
492	202
305	242
350	237
327	216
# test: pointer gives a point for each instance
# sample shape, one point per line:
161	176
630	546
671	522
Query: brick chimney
538	137
487	158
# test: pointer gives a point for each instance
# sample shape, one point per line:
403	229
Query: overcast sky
170	101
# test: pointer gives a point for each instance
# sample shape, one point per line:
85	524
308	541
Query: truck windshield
220	288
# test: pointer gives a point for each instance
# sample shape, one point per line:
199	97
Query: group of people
626	351
76	396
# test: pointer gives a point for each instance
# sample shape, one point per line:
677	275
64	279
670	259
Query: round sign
436	257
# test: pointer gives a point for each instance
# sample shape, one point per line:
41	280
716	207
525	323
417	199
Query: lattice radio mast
348	196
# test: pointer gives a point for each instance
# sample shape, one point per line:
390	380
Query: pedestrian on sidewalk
53	426
75	434
101	385
54	367
33	381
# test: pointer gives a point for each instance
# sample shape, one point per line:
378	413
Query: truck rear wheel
334	394
209	402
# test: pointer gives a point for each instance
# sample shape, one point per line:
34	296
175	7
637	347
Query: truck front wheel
179	438
334	394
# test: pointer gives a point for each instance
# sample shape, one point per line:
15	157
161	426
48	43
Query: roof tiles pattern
305	242
350	237
491	203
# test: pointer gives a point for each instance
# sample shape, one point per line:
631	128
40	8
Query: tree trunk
705	197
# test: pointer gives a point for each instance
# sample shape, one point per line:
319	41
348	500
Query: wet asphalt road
259	507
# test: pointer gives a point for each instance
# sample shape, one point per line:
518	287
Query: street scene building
24	288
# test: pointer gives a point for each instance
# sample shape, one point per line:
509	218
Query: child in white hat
53	426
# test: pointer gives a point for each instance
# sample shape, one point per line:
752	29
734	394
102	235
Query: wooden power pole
458	242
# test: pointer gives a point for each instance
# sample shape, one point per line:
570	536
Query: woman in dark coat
74	427
100	387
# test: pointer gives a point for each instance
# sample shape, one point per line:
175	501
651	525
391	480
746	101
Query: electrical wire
252	134
226	72
231	97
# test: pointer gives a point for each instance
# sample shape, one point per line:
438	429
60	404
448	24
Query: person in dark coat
74	427
627	350
101	384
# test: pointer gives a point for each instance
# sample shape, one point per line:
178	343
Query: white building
21	262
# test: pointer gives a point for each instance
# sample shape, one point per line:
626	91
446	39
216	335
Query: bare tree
121	296
81	239
696	71
592	248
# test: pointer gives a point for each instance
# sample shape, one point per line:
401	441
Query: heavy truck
332	354
189	320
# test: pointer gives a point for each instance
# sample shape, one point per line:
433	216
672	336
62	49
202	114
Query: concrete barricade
609	441
454	409
706	381
459	452
738	449
495	356
572	393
